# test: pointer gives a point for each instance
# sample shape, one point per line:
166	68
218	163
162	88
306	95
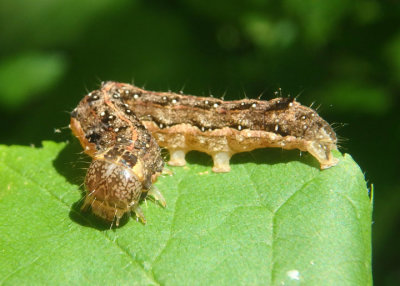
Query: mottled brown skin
182	123
126	158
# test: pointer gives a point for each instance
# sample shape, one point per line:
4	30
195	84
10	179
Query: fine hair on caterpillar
122	128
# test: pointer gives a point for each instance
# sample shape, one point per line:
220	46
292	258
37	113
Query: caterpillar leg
157	195
221	162
177	157
167	172
139	214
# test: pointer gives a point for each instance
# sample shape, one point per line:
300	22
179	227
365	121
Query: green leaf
275	219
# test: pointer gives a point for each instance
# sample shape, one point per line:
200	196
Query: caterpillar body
122	127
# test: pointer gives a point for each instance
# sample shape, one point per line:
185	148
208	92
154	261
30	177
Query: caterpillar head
112	189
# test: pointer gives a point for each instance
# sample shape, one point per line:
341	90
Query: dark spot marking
129	159
281	104
242	105
93	137
92	97
272	128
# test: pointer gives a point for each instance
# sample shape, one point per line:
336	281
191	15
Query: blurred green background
342	55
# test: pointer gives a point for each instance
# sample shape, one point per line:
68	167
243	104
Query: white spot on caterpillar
127	174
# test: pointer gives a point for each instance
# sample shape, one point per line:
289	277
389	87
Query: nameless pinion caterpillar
122	127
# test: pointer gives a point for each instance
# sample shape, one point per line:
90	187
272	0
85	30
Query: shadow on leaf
72	164
273	156
265	156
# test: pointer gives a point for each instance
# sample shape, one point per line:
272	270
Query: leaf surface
275	219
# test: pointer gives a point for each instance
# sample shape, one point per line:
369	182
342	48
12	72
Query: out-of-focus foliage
342	55
34	73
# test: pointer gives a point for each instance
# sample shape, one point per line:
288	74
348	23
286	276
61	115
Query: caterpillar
122	127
